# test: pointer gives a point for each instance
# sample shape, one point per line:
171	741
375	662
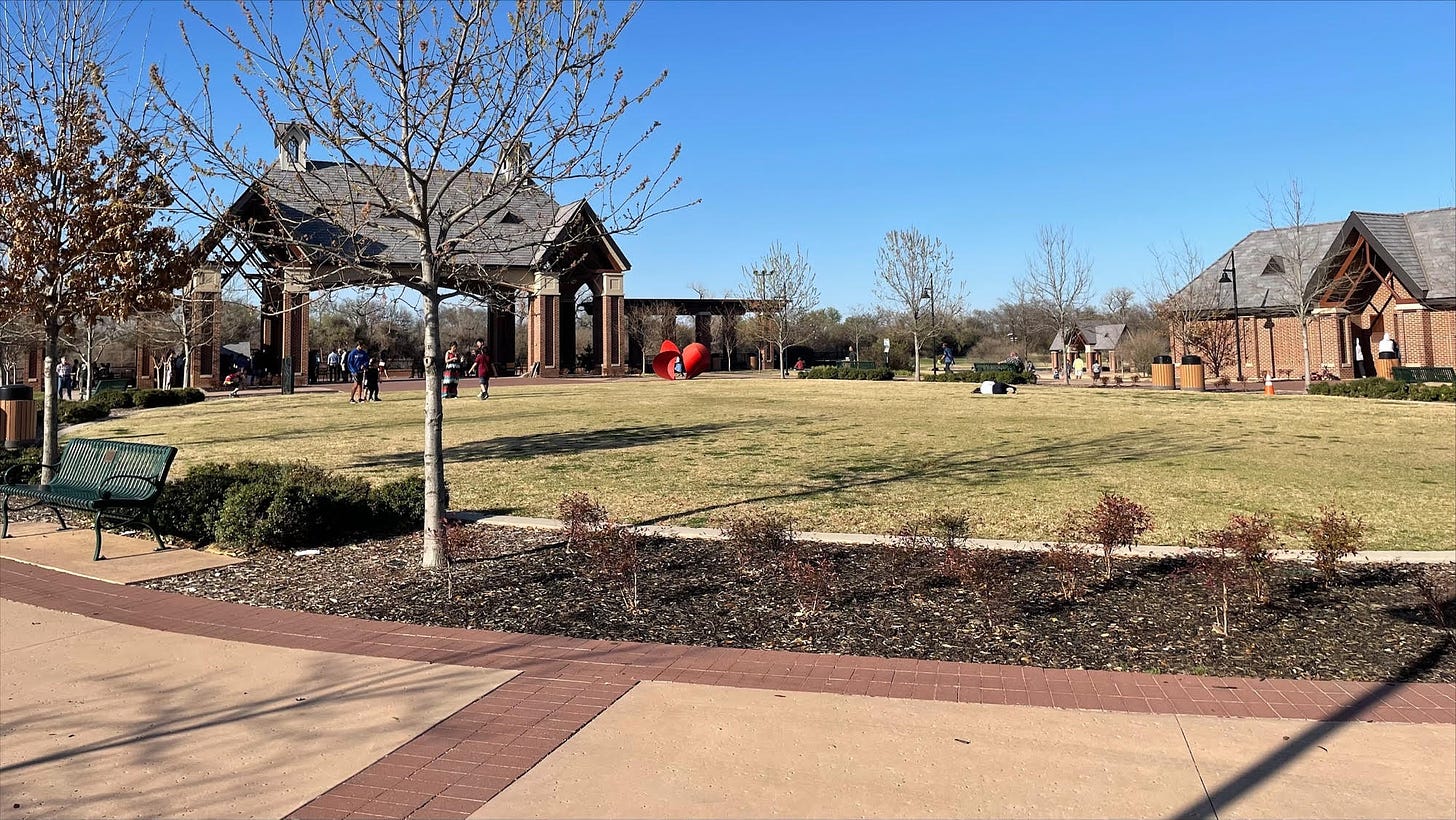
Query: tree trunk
783	363
50	453
915	343
435	501
90	349
1304	338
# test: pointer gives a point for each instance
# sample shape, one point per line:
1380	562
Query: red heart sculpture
662	362
696	360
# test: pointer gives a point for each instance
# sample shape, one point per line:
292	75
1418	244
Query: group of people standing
364	371
477	364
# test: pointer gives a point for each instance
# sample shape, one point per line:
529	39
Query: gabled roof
1096	337
1419	246
333	207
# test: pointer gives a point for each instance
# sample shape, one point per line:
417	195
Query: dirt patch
1153	616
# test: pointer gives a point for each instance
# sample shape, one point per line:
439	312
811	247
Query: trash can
17	415
286	376
1163	373
1190	373
1385	364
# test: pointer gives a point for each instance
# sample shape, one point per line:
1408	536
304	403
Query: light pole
1269	326
929	293
1231	275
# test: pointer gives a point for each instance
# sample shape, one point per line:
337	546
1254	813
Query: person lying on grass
995	388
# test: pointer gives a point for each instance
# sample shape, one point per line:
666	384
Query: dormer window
1274	268
511	219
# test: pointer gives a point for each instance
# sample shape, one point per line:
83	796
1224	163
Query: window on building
1340	341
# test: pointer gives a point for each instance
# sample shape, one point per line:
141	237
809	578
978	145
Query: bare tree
640	321
1119	303
83	184
444	114
914	283
1287	213
1058	282
782	284
1189	305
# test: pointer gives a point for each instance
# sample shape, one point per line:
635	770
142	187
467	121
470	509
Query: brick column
294	341
204	302
611	341
542	315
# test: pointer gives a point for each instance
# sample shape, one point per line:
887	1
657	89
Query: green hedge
1384	389
860	374
285	505
29	460
978	376
100	405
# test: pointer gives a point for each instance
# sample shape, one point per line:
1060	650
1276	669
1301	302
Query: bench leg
151	523
5	517
59	517
97	556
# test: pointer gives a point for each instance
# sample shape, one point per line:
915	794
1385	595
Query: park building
1369	276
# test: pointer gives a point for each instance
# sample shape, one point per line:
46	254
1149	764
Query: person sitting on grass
234	380
996	388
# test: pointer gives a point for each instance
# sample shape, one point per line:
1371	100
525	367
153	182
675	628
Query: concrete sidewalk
130	702
1146	551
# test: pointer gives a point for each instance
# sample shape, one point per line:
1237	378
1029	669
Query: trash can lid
1162	360
17	392
1191	359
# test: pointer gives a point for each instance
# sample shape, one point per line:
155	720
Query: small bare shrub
613	552
1117	380
920	537
984	571
1222	382
1071	566
760	536
811	580
1437	587
581	516
1253	540
1104	380
1116	521
1134	378
1221	572
1333	536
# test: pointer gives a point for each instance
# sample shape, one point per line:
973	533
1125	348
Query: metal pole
1238	335
935	354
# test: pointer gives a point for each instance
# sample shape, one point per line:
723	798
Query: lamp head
1224	280
925	293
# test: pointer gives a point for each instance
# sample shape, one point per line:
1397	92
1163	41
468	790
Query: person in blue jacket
357	361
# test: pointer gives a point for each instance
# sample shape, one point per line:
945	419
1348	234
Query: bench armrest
100	488
5	477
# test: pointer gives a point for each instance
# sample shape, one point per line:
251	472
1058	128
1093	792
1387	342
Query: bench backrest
87	463
1424	374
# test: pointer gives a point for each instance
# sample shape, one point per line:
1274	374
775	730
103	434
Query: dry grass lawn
856	456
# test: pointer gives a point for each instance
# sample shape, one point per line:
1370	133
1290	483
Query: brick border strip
451	769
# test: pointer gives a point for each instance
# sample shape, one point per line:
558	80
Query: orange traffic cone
1269	384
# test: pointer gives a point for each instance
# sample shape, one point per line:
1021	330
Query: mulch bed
1154	616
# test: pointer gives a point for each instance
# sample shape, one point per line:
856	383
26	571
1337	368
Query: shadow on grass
973	466
556	443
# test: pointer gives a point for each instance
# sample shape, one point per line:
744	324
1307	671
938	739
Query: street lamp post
929	293
1230	275
763	276
1269	326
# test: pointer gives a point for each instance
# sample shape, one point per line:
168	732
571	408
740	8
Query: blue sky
826	124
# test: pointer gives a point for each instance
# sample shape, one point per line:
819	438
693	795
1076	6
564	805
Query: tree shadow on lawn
558	443
973	466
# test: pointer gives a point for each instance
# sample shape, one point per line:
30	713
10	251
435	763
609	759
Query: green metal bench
107	478
104	385
1423	374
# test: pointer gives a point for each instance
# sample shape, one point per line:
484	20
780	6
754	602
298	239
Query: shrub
919	537
25	463
116	399
1220	572
189	395
1104	380
1252	540
1384	389
758	535
1006	376
581	517
1222	382
1134	378
239	520
880	374
156	398
811	579
190	507
1437	587
613	552
1117	380
1333	535
982	570
80	412
1071	566
398	506
1115	521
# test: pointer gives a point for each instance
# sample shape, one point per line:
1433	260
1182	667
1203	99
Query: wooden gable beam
1342	274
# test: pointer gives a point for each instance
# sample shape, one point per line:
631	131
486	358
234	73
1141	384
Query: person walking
64	383
947	357
481	368
371	380
356	362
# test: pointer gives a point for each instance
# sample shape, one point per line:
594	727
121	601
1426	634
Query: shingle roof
1421	243
334	205
1097	337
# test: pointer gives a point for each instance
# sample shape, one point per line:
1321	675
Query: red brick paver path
456	766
